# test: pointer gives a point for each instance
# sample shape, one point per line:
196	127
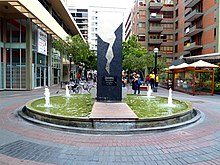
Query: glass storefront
56	67
15	54
1	69
13	57
1	55
41	70
15	68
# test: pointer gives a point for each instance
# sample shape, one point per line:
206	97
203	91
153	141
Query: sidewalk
22	143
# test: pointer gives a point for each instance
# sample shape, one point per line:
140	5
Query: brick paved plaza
26	144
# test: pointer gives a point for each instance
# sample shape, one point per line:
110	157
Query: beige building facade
27	30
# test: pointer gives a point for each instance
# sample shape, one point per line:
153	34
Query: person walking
156	84
152	77
124	81
134	82
147	79
138	83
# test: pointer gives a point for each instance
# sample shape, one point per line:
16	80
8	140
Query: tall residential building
179	28
87	19
81	18
27	31
196	27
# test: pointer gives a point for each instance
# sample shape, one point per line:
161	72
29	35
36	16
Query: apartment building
153	23
27	30
196	27
81	18
179	28
87	18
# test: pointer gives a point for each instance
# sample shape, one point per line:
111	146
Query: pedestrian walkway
22	143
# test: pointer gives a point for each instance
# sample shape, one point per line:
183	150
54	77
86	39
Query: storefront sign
42	42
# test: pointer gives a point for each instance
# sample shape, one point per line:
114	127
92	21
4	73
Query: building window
167	14
166	49
167	26
215	15
215	33
168	2
215	49
176	24
176	37
141	24
154	36
155	24
167	37
176	12
141	37
176	48
142	14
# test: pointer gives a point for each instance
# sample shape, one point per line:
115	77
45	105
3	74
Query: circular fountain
161	113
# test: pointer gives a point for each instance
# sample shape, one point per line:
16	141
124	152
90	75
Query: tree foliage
135	56
77	50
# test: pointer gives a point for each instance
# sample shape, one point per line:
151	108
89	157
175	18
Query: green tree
78	50
135	56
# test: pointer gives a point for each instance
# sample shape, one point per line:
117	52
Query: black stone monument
109	70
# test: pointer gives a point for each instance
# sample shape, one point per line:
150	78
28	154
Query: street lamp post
156	50
70	58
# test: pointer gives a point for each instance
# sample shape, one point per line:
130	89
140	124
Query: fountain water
47	98
67	91
149	92
170	100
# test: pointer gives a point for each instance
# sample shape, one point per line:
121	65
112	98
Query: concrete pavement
22	143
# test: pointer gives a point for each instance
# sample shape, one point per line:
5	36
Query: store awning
203	64
180	66
212	58
199	64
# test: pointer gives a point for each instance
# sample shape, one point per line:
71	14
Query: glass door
41	76
1	70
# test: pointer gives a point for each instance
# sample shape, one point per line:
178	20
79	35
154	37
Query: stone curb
110	131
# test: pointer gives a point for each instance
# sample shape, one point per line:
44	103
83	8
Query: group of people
136	83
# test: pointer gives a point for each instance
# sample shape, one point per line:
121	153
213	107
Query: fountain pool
73	112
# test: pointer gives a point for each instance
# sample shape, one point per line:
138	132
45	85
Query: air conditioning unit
153	14
187	30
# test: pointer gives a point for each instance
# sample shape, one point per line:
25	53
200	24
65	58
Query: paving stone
198	144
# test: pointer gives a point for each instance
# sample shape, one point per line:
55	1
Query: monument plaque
109	80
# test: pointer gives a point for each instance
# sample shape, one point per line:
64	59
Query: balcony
155	29
193	16
155	41
187	11
155	17
155	6
191	3
192	46
193	31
